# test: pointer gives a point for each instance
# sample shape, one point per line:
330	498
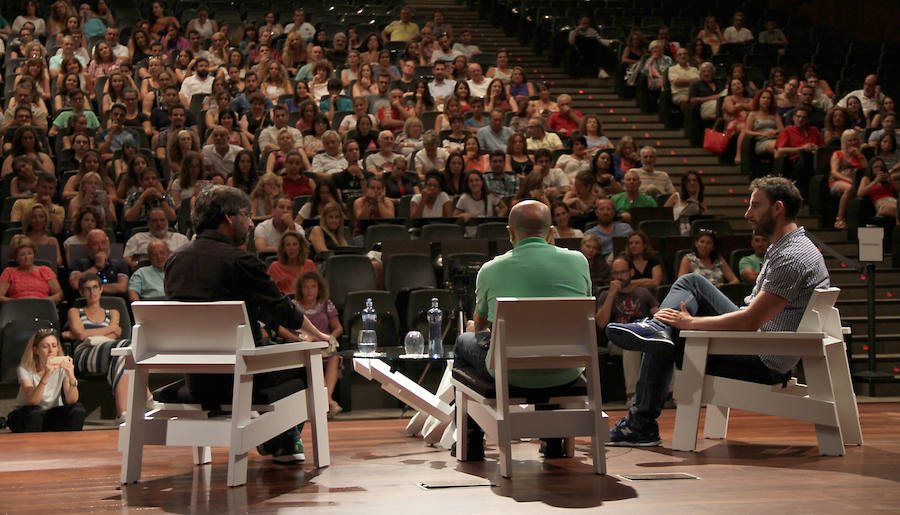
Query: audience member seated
432	202
554	179
635	48
604	173
113	274
311	295
293	250
494	136
750	265
816	115
477	121
151	194
681	76
87	219
705	92
136	248
646	270
267	235
383	160
25	142
532	188
48	391
578	161
43	195
97	332
582	198
403	29
25	280
24	180
688	201
797	143
704	259
218	157
763	123
364	134
606	229
875	117
35	225
844	163
372	205
330	233
870	96
626	301
625	157
880	185
561	218
147	282
590	47
92	193
655	66
410	139
653	182
887	150
464	45
888	127
476	201
539	138
711	34
631	197
735	107
592	130
591	247
324	193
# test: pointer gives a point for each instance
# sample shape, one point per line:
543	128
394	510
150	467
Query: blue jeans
701	298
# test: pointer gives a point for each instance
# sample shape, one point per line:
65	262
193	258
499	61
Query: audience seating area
420	257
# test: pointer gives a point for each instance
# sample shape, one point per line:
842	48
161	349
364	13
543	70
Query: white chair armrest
750	335
282	348
120	351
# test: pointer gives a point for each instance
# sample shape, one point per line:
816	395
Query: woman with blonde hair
844	163
273	81
91	192
48	391
264	195
294	54
330	233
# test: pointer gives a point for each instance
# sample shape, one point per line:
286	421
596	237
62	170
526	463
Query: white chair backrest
544	326
190	327
821	316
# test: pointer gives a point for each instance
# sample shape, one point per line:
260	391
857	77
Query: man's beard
766	226
202	73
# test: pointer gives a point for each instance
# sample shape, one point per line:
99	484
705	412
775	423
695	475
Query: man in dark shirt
213	267
112	272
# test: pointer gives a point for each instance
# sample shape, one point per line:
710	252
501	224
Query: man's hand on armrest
763	308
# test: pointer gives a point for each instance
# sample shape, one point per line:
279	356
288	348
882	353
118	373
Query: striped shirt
792	269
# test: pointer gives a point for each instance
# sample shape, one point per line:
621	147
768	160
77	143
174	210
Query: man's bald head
529	218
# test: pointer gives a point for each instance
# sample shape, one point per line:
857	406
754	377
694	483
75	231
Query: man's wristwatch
73	383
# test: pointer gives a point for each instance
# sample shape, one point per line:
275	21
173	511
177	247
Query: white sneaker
602	74
152	405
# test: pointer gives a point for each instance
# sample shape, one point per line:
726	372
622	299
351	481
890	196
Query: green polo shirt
622	203
534	268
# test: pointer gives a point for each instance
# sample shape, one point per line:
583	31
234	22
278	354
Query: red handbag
715	142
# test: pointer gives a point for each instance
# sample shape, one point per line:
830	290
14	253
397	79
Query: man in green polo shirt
631	197
533	268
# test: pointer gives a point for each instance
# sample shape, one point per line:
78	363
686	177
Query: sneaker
602	74
647	335
290	454
624	436
153	405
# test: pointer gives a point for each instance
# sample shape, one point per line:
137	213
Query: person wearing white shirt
300	25
441	87
267	234
737	33
869	96
464	47
157	230
681	76
219	156
555	181
331	161
478	85
120	52
200	82
444	52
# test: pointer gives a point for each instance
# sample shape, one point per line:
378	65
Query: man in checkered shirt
792	270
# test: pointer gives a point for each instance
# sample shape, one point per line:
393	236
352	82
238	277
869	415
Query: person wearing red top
797	143
293	252
294	183
394	116
26	280
844	163
566	120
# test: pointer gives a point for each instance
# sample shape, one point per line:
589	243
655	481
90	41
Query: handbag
715	142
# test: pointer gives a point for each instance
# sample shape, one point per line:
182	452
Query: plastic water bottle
369	317
367	336
435	317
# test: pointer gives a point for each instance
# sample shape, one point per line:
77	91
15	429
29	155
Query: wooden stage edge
766	465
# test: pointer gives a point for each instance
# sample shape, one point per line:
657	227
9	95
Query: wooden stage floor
766	465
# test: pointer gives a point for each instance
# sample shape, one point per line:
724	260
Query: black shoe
553	448
647	335
475	453
623	435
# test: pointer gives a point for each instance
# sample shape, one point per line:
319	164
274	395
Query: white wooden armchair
215	338
827	400
535	333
